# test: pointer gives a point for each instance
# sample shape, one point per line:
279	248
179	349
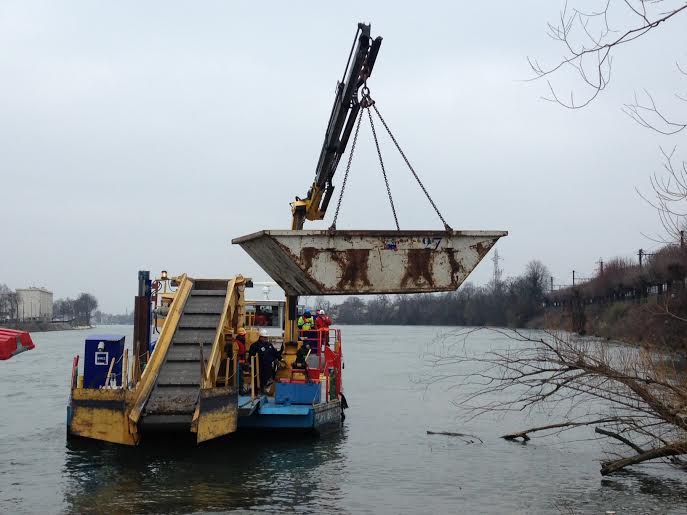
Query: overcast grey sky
146	135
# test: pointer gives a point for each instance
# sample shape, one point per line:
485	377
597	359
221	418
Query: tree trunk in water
609	467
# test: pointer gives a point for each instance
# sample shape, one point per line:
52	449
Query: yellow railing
147	382
232	317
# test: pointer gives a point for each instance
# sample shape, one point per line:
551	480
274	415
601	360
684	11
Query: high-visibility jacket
305	323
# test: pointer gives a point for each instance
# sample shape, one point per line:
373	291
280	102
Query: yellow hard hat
241	331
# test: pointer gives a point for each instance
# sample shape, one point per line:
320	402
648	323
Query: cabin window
264	315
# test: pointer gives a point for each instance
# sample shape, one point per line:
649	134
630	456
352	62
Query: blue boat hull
319	418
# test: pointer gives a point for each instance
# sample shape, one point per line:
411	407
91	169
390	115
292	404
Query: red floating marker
13	342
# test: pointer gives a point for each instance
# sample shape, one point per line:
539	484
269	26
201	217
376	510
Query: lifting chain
366	103
381	162
422	186
348	169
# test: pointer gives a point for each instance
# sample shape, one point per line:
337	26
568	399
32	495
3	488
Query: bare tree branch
622	439
635	396
588	42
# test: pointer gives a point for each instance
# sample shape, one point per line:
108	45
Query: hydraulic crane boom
345	110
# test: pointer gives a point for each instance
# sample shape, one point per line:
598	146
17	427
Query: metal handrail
321	340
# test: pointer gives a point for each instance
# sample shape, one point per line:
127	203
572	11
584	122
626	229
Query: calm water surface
382	462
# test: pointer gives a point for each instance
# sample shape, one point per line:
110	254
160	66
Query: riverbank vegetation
509	303
79	310
662	273
627	301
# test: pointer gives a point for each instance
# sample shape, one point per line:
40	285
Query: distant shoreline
43	327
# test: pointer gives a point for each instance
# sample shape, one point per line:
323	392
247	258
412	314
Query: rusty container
365	262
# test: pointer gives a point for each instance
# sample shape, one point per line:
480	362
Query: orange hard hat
241	331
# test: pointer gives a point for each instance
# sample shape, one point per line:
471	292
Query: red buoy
13	342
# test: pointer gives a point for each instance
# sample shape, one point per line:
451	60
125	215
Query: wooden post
236	367
109	372
125	369
226	373
135	364
75	372
252	377
257	369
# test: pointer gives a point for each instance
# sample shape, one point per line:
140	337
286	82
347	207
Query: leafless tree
635	397
84	306
669	198
9	303
322	303
64	309
589	40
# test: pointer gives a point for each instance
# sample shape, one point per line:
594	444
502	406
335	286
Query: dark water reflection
167	476
383	462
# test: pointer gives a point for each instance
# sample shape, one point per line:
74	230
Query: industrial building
34	304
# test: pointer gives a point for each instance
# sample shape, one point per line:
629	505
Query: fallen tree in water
634	397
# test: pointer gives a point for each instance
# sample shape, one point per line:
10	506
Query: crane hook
366	101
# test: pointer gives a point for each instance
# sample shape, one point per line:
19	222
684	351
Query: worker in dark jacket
268	359
300	363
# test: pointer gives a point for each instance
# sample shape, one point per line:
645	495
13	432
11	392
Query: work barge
193	377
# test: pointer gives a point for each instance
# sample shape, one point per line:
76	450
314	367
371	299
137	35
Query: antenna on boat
266	287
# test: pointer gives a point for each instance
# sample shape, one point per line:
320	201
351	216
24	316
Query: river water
382	462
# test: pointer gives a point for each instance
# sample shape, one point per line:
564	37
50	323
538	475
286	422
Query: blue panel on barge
294	393
277	416
322	417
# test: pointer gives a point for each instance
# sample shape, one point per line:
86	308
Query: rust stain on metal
353	265
481	248
307	256
419	267
296	261
457	268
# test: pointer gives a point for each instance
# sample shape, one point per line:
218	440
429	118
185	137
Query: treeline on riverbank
101	318
77	311
624	301
509	303
627	301
663	271
38	326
